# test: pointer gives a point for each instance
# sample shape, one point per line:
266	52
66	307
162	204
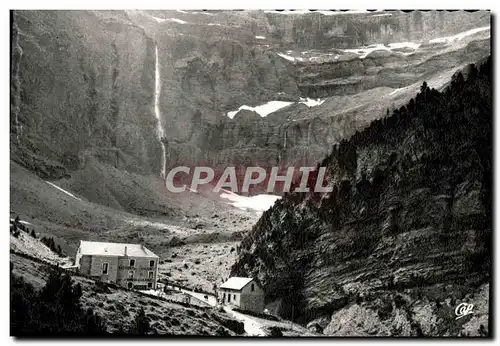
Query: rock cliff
405	234
83	84
359	64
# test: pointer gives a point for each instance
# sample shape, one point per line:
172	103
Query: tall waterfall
159	129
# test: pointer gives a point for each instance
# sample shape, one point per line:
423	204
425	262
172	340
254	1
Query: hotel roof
114	249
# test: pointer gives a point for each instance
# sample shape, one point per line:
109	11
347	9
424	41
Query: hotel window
105	268
130	274
252	288
234	297
150	275
151	263
150	285
132	262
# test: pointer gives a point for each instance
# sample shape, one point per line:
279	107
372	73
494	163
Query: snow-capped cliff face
354	65
88	85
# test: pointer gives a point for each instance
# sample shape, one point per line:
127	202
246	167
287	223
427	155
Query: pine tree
55	310
141	323
423	87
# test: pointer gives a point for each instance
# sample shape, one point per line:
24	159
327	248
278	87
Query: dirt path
252	326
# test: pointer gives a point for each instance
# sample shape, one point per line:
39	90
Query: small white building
243	293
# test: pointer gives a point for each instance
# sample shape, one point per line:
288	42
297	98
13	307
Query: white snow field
273	106
258	203
64	191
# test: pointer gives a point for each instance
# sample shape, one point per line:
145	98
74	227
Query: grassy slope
118	307
53	213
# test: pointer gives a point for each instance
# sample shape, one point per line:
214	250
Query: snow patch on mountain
262	110
260	37
205	13
177	20
323	12
400	45
21	221
257	203
311	102
64	191
363	52
459	36
288	57
273	106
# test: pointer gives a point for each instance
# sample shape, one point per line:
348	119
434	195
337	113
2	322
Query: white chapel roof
114	249
236	283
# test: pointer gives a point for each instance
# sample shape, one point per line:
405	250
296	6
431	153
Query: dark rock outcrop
405	234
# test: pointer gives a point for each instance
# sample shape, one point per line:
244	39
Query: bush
275	332
221	331
140	326
101	287
229	323
54	310
49	242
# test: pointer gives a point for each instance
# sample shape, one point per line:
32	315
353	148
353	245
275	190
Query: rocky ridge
407	227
